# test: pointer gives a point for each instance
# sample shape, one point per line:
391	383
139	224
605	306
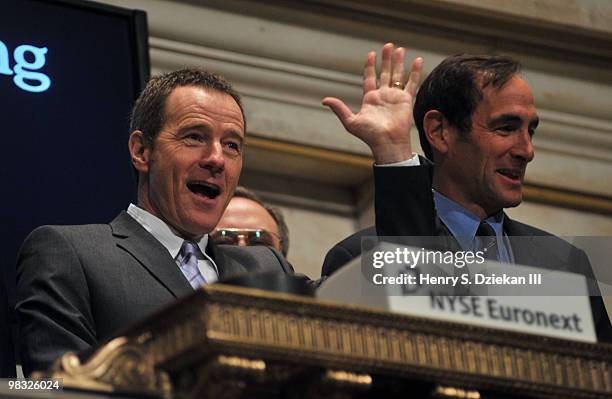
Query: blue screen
68	78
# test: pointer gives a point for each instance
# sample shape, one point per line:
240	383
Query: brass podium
232	342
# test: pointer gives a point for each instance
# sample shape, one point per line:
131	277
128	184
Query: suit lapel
520	248
523	243
149	253
227	266
524	246
449	241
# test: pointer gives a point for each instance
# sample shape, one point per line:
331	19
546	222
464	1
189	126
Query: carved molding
285	56
280	328
117	366
222	341
305	86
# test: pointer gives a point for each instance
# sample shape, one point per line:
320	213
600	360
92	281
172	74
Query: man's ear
139	151
437	131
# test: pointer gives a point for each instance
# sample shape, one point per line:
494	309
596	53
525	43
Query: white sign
489	294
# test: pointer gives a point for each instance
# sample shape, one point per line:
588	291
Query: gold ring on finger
398	85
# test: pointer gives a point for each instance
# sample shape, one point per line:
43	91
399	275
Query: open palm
385	118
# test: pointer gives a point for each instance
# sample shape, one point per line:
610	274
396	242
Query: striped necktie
188	263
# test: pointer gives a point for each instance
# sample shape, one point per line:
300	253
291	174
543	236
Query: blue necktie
188	263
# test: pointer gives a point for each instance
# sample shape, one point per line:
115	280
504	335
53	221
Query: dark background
63	153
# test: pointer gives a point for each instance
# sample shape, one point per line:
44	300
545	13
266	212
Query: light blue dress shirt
463	225
461	222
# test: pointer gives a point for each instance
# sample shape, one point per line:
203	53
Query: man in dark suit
77	285
476	117
413	195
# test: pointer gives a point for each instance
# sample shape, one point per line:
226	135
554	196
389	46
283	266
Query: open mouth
514	174
203	188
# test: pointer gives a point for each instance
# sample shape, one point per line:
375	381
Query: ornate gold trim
345	377
241	363
117	366
223	339
458	393
287	329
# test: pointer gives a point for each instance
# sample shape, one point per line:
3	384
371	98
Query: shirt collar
163	232
463	223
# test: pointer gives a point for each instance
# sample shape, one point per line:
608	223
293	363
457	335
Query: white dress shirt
173	242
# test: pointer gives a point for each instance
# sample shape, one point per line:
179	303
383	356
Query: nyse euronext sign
28	60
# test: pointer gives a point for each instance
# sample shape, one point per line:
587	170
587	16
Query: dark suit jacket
406	188
405	207
77	285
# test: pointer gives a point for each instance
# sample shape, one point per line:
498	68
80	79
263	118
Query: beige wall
285	59
562	221
593	15
313	232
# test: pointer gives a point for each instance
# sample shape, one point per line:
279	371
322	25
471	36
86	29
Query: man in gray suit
77	285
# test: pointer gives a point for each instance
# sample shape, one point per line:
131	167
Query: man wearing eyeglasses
248	221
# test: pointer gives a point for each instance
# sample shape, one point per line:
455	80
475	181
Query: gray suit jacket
77	285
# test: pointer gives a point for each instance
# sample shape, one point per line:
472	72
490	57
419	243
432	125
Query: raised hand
385	118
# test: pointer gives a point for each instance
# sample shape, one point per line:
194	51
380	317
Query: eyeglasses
231	236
